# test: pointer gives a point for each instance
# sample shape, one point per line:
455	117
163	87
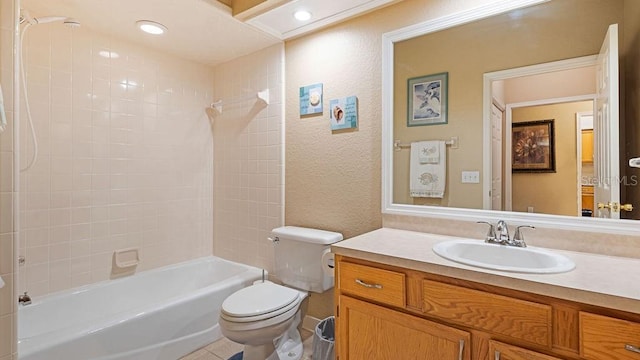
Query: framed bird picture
427	100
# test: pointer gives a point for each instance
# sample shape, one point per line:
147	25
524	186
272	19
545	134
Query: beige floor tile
201	354
224	348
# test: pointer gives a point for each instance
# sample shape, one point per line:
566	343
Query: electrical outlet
471	177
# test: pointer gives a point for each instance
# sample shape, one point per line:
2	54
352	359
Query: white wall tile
248	183
85	197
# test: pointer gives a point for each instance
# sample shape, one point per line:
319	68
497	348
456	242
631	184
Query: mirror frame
621	227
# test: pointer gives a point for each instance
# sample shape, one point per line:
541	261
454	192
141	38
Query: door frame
488	79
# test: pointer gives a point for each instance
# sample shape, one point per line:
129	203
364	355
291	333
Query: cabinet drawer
379	285
519	319
501	351
603	337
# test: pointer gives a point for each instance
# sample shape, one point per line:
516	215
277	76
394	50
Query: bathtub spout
24	299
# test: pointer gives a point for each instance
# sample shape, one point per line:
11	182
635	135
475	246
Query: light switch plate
471	177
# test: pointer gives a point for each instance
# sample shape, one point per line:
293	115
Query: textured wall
333	178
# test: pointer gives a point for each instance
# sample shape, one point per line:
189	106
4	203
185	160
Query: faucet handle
518	238
491	234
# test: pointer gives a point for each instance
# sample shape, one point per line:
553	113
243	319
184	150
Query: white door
496	158
606	129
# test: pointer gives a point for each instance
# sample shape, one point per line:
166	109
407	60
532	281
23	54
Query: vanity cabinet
389	312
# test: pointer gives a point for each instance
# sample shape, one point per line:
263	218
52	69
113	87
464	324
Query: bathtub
163	313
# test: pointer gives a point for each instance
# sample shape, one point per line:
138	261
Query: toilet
264	316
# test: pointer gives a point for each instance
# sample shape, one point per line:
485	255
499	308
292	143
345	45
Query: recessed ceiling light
302	15
151	27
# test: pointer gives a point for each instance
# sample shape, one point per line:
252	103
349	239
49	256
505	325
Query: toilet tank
298	257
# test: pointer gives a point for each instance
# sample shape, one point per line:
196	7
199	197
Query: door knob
609	206
615	207
626	207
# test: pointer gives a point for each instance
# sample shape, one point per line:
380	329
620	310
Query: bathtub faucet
24	299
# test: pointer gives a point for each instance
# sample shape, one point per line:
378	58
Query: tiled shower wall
249	158
125	158
8	314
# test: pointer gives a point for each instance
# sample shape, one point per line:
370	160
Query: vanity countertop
607	281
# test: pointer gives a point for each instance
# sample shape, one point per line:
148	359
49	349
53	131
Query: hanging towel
427	179
429	152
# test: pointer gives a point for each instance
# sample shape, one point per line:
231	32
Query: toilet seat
260	301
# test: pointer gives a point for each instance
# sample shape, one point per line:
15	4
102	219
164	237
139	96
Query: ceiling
201	30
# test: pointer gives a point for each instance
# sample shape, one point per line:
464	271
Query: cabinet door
501	351
371	332
587	146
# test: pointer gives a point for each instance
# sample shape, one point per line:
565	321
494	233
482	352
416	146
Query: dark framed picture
427	100
532	146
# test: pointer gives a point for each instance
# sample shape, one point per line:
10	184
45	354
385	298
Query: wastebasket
324	340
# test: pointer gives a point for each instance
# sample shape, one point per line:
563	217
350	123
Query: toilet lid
259	299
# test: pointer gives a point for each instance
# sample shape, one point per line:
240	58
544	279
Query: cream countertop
607	281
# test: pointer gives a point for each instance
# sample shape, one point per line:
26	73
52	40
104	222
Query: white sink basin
504	258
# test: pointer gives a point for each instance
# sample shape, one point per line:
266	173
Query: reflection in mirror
546	33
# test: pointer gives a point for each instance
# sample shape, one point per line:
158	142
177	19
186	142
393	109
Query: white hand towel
427	180
429	152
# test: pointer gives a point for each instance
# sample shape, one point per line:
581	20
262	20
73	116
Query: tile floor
224	348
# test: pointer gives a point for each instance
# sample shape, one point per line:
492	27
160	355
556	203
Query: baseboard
310	323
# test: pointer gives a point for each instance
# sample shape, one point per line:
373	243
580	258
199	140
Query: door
372	332
606	129
496	158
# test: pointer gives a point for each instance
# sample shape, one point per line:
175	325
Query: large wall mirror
514	80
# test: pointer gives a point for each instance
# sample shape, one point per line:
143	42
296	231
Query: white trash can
324	340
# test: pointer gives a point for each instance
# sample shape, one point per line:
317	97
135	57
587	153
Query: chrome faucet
24	299
499	234
518	238
502	230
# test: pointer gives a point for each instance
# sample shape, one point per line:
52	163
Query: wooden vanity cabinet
387	312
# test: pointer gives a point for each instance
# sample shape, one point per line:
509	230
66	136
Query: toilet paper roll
328	262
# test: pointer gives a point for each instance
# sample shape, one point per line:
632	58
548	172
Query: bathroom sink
504	258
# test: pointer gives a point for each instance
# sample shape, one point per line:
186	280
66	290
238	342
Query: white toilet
265	315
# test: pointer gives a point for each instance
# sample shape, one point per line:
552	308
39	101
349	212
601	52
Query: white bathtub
163	313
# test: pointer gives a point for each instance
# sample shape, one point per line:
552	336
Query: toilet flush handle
274	239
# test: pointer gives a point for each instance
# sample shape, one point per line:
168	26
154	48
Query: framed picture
427	98
311	99
532	146
344	113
